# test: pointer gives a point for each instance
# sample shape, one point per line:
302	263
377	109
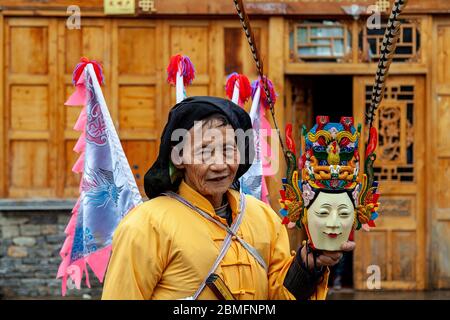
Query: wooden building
322	61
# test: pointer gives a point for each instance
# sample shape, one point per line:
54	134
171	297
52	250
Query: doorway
396	248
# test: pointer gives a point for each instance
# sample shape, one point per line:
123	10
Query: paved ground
348	294
343	294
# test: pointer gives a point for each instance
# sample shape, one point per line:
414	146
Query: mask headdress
330	161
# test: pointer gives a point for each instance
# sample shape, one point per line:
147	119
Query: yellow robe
163	250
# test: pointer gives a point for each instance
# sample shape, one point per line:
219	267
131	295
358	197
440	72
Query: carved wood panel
397	245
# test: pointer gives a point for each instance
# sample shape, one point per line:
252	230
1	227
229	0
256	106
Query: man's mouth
218	179
332	235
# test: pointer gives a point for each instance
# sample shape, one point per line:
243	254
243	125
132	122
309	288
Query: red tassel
273	94
80	68
285	220
183	64
289	140
245	90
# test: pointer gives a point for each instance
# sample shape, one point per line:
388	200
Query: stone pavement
348	294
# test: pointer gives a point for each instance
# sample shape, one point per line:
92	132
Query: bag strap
232	231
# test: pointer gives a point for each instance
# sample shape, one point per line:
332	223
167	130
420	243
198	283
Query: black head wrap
182	116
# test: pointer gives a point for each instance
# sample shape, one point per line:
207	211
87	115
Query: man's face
210	158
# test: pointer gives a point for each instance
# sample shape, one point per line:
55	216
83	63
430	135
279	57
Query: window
408	46
325	41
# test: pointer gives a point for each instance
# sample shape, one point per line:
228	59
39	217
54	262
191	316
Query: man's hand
326	258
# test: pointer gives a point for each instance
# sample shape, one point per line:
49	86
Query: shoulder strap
231	231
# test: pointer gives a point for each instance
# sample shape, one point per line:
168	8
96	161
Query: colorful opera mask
332	196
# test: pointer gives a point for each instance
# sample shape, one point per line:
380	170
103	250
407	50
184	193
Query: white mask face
330	220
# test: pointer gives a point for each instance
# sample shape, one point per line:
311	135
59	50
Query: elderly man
196	228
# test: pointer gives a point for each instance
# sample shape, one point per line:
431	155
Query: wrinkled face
330	220
210	158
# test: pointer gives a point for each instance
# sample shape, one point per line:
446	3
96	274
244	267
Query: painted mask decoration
331	197
330	220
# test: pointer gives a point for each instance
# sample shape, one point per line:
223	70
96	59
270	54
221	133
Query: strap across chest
231	234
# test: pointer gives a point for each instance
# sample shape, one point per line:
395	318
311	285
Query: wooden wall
40	55
220	7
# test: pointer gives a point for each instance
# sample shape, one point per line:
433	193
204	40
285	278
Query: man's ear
176	156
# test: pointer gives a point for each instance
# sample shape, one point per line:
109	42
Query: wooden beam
3	166
351	68
276	74
60	110
223	8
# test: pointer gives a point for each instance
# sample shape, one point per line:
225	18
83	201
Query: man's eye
344	213
322	213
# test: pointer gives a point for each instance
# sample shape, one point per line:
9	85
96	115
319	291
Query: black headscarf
182	116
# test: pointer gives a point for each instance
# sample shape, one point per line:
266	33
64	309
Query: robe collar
201	202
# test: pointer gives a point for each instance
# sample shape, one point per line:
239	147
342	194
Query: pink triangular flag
66	247
78	98
98	261
81	143
80	125
76	270
63	266
64	283
70	228
79	165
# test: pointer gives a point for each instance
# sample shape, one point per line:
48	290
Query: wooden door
397	245
438	163
40	55
91	41
29	108
138	75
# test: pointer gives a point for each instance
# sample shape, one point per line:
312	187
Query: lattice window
408	47
325	41
395	124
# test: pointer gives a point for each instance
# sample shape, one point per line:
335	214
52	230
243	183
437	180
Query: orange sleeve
137	261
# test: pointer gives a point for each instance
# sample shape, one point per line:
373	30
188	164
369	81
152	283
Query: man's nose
218	166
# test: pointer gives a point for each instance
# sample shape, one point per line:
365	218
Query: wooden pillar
275	70
3	166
